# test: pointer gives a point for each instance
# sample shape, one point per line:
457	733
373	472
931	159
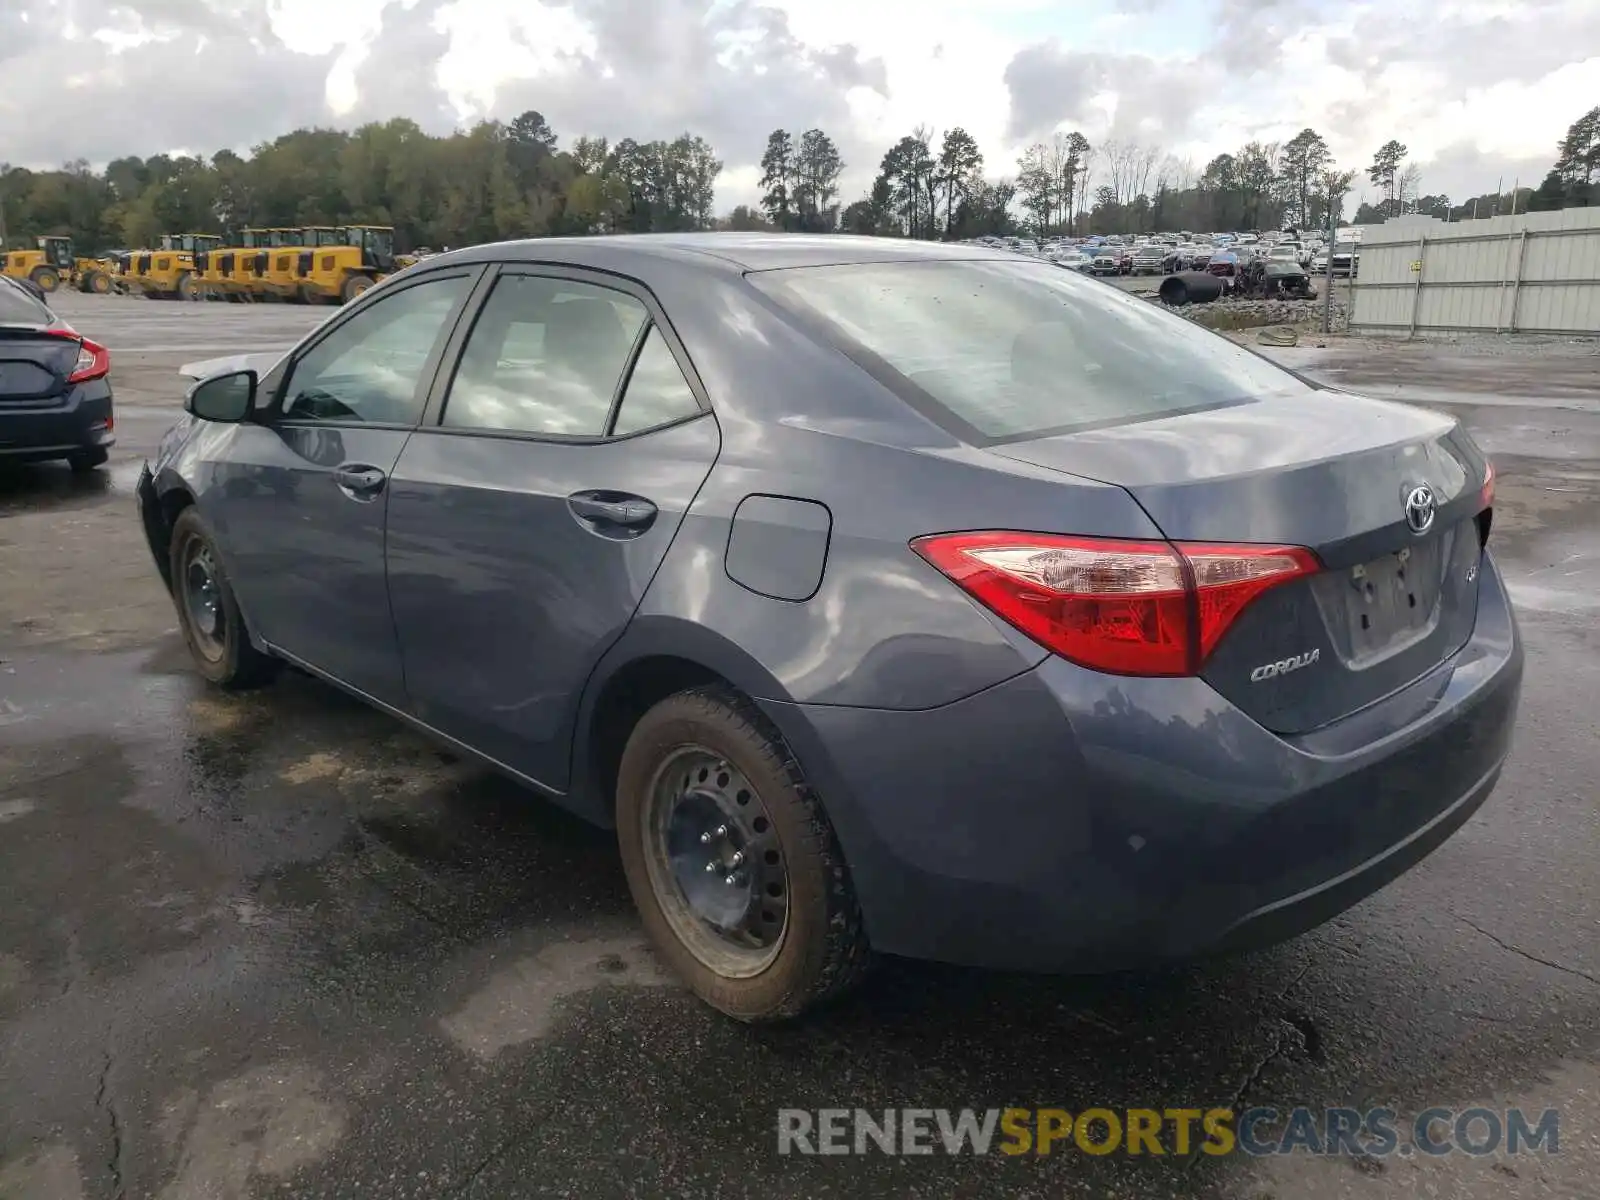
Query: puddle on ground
520	1003
268	1122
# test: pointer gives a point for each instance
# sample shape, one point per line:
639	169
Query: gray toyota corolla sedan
884	596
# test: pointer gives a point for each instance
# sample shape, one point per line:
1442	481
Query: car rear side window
19	308
369	369
1000	350
544	357
657	392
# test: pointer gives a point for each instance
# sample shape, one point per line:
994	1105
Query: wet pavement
275	945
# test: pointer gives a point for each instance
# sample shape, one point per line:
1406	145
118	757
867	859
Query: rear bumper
82	422
1067	820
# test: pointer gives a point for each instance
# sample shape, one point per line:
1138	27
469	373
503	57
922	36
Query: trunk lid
34	365
1333	473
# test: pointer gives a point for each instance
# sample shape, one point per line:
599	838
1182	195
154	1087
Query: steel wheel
715	863
202	599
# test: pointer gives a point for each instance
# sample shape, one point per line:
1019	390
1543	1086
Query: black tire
186	287
354	286
95	282
85	461
223	655
822	950
47	279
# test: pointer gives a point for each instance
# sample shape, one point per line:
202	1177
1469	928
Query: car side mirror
229	398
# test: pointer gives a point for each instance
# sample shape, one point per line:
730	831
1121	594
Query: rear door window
1003	350
657	393
544	357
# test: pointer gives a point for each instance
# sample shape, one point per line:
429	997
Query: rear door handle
359	482
614	509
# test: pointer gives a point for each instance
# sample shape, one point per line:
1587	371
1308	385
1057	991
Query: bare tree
1179	174
1143	166
1115	158
1125	160
1407	188
1335	187
1092	159
1054	165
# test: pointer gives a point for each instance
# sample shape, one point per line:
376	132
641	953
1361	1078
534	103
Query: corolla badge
1272	670
1420	508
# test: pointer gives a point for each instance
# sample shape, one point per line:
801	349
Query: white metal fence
1532	273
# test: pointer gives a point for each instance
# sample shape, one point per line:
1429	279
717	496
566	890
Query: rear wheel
48	279
186	288
208	614
354	286
732	861
85	461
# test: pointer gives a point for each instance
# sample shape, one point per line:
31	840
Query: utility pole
1327	283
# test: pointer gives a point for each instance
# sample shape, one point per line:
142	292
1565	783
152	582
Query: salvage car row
1168	253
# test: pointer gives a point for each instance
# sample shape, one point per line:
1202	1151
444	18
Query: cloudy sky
1477	89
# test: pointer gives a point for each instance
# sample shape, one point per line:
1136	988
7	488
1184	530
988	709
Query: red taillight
1485	517
1125	607
94	360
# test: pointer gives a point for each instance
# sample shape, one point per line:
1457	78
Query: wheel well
172	503
627	696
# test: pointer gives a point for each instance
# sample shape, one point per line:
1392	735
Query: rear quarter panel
883	628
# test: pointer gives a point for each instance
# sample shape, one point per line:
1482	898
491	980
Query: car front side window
369	370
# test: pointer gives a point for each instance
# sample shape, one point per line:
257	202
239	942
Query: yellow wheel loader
337	265
51	263
168	271
208	277
243	266
281	278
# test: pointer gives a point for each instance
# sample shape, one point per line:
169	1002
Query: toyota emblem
1420	508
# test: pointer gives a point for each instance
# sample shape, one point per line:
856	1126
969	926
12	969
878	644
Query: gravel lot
277	946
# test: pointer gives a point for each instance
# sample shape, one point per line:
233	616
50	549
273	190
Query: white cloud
1475	88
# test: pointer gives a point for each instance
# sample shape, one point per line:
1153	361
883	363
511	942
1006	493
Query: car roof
736	251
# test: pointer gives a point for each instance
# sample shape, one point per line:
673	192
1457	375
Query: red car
1224	263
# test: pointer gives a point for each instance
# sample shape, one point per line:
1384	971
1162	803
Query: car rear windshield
19	308
997	351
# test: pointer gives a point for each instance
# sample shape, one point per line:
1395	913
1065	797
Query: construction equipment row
316	265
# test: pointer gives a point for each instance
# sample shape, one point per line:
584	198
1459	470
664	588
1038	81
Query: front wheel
47	279
208	614
733	862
